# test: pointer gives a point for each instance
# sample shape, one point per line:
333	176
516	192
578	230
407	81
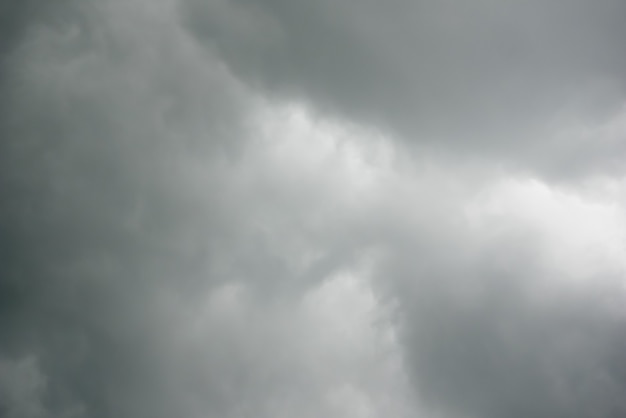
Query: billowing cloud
524	316
482	77
341	209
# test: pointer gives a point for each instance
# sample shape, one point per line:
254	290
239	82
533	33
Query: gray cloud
178	238
131	209
483	338
480	77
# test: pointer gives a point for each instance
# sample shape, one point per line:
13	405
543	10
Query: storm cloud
481	77
233	208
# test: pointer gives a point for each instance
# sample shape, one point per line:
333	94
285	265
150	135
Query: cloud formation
344	209
482	77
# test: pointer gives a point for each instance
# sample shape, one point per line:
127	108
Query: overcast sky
313	208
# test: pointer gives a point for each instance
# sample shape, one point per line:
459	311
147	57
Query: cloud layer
277	209
482	77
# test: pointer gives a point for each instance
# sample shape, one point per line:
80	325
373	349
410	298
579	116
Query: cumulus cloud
232	208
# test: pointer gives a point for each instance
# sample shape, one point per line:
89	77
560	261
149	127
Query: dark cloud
176	239
94	219
480	77
149	265
484	338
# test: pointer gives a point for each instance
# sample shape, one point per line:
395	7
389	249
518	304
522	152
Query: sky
329	208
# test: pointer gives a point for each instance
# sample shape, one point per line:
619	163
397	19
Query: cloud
142	192
210	209
480	78
523	315
21	387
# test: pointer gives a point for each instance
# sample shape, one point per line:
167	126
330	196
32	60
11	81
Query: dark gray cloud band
479	77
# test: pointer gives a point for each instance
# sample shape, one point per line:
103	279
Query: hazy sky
320	208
